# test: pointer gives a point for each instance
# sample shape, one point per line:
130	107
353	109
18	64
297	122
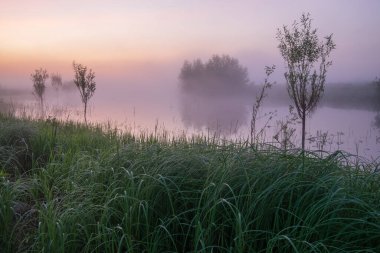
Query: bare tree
85	83
39	78
258	102
301	49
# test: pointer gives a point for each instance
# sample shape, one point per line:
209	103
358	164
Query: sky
132	39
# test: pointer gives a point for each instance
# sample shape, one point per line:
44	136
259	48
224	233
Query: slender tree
84	80
302	50
39	78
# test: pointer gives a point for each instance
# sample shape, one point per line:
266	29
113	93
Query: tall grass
93	189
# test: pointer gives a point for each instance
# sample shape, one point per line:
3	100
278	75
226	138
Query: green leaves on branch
39	77
84	80
306	59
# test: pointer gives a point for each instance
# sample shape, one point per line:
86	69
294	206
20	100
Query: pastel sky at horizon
120	37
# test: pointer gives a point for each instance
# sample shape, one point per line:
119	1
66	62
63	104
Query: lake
147	108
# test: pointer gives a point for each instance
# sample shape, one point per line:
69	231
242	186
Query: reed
78	188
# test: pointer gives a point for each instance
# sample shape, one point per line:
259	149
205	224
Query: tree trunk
42	108
303	130
85	113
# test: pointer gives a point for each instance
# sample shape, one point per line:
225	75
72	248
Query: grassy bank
65	187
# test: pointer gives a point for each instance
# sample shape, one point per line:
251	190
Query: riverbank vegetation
67	187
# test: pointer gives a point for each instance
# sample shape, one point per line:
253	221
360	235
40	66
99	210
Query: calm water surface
146	108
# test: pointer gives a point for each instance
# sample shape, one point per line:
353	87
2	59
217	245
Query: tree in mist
84	80
56	83
302	50
209	94
220	74
39	78
376	122
56	80
377	94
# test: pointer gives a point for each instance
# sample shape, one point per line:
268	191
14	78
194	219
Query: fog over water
137	50
141	104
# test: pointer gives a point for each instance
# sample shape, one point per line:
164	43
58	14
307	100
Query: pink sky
127	36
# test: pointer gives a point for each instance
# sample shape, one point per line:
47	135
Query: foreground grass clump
79	189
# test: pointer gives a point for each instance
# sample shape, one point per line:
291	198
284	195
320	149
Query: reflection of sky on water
226	115
136	108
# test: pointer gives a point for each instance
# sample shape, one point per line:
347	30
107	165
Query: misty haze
189	126
347	114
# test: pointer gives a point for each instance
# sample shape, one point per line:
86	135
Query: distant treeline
219	75
354	96
223	76
365	96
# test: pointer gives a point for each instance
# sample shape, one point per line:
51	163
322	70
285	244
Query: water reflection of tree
220	115
213	94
